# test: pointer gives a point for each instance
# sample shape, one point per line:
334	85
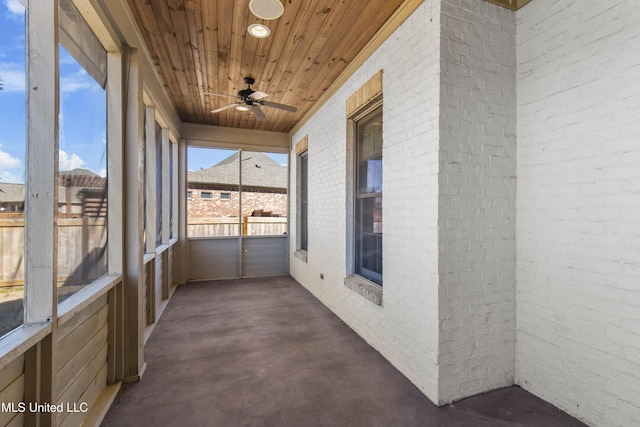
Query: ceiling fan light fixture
266	9
242	108
259	31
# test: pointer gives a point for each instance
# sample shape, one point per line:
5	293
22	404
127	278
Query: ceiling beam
208	136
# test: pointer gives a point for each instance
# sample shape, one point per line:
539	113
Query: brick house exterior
213	192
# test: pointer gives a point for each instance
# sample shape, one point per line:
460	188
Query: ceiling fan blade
258	113
280	106
226	107
258	95
219	94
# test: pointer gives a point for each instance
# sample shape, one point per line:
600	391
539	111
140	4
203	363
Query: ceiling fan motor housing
254	99
246	93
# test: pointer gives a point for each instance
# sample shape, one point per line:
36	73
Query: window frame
41	307
157	164
303	201
359	197
358	283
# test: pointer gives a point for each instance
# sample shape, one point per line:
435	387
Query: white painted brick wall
447	320
405	328
477	198
578	207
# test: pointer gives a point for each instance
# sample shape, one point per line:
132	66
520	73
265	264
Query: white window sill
301	255
369	290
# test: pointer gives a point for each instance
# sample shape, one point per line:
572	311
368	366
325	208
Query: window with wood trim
368	196
303	201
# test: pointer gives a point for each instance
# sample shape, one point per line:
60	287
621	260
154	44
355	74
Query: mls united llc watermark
33	407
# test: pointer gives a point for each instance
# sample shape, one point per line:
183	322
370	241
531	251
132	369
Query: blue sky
82	123
82	109
203	158
12	99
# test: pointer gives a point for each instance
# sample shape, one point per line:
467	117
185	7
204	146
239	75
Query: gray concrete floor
265	352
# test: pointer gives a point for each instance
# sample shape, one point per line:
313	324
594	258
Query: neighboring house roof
258	170
76	179
11	193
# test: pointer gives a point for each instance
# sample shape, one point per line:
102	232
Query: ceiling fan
249	99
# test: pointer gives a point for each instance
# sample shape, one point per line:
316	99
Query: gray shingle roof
11	192
258	170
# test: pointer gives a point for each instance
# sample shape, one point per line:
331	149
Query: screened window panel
82	178
212	172
158	161
171	183
264	194
80	41
12	171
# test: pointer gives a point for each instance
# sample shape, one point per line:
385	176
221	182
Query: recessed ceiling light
242	108
266	9
260	31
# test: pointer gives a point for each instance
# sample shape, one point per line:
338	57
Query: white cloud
7	161
68	162
13	77
103	173
77	81
14	6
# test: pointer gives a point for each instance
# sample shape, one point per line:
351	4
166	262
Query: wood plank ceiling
203	46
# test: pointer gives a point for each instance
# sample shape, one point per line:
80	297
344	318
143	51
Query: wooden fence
81	257
230	226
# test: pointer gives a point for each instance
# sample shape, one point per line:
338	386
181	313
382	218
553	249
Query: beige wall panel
85	377
75	341
158	281
12	371
213	258
17	421
67	373
77	320
13	393
90	396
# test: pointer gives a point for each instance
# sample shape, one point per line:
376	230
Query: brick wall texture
511	203
405	328
578	207
217	207
477	198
